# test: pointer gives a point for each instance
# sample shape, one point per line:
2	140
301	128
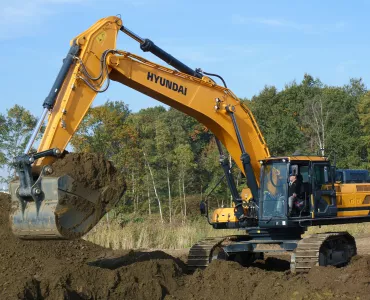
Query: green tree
144	124
15	130
102	129
276	115
184	159
344	127
364	116
164	140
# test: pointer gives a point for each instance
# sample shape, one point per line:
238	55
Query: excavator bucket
66	199
67	210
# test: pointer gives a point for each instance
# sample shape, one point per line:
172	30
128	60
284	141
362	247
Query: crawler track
307	253
200	255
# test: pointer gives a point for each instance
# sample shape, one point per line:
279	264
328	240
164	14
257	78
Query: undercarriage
322	249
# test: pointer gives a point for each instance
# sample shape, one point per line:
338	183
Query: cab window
320	175
303	170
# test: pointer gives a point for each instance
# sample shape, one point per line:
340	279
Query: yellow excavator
263	211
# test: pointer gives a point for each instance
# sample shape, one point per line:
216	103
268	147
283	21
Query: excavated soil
94	172
95	179
80	270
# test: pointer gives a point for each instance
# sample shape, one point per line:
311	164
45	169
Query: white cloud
281	23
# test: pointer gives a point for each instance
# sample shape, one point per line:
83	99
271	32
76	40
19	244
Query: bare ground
363	244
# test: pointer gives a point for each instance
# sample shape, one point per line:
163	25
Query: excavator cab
274	190
315	195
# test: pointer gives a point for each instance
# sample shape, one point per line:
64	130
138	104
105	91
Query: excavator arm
87	70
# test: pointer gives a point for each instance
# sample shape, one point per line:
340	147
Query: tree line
169	159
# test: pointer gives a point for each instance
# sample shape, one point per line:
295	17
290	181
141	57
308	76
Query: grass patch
149	233
354	229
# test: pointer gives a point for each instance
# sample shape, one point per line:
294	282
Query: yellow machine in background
261	210
227	214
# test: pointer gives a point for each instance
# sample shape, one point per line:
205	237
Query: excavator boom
87	70
197	97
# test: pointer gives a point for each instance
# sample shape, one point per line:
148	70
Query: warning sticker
101	37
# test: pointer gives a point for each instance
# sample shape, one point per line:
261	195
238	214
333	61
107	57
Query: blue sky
250	43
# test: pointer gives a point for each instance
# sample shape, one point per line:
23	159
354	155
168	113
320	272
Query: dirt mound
78	269
228	280
143	280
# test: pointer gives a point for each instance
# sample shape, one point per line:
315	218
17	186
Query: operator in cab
294	191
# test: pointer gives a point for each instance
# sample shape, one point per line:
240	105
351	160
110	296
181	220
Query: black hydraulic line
168	58
23	162
215	75
148	46
227	169
237	131
219	147
104	67
230	180
67	63
245	158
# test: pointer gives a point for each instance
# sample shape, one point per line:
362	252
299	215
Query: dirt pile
228	280
78	269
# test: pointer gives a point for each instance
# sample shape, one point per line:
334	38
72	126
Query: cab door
323	197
